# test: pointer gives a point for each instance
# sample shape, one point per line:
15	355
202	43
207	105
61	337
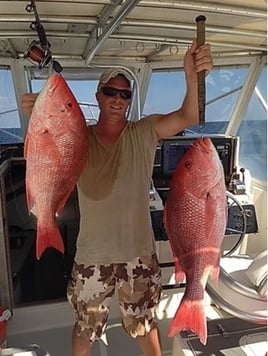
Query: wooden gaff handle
200	23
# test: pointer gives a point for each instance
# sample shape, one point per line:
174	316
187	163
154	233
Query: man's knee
90	327
138	326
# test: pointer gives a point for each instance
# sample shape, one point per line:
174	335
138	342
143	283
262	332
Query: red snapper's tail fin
190	315
48	236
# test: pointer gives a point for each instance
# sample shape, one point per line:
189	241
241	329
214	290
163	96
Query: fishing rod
39	51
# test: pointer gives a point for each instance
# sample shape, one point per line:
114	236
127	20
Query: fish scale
56	152
195	217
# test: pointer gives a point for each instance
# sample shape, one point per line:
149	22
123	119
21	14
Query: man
115	245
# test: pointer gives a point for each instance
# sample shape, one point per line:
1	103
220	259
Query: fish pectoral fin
30	200
214	273
179	273
33	209
215	192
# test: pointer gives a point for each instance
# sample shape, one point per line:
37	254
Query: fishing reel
37	55
39	52
41	57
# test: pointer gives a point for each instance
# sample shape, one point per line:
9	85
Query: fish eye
69	104
188	164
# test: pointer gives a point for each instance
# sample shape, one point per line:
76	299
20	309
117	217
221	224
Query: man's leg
139	294
80	347
89	292
150	344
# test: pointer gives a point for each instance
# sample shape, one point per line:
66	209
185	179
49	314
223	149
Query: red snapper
195	216
56	151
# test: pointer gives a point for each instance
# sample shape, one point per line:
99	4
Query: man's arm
195	60
27	102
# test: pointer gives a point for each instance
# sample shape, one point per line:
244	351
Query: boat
148	38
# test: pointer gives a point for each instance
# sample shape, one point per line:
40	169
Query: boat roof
128	31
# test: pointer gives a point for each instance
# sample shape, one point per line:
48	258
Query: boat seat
242	287
257	274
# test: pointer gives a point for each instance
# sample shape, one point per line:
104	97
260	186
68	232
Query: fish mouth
52	83
48	89
205	143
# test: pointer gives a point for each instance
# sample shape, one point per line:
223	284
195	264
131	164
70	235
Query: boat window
10	128
223	85
253	132
165	92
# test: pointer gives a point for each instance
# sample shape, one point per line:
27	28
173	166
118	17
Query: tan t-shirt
113	192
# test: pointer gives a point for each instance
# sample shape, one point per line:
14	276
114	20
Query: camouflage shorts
139	288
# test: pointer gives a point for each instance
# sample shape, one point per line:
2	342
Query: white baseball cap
111	73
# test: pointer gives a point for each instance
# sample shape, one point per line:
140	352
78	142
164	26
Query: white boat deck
52	331
57	340
50	327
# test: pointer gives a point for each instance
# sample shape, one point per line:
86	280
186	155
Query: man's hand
196	60
27	102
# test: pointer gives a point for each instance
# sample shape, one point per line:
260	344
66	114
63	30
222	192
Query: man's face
114	107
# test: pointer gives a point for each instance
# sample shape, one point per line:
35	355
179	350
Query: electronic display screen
175	152
173	149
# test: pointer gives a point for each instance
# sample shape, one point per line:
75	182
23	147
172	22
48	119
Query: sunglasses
110	91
